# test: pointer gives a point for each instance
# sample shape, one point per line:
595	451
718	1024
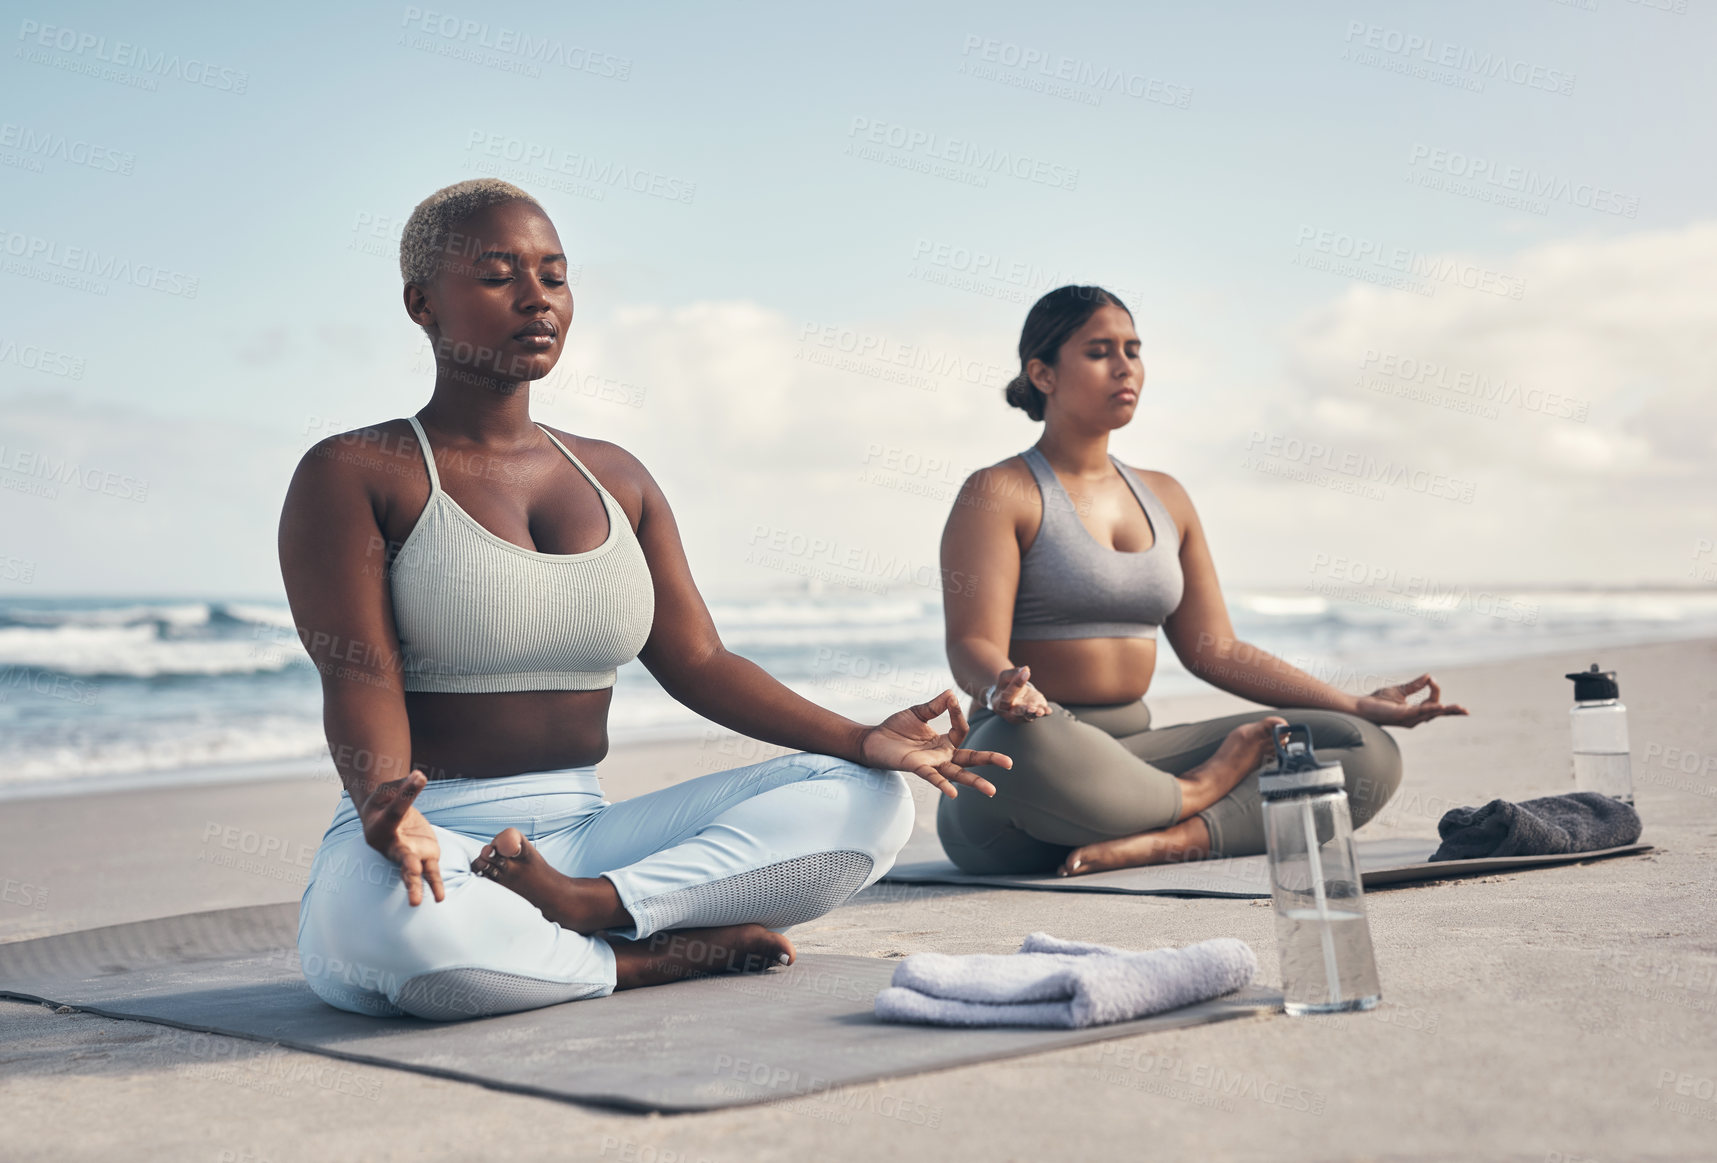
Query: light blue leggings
776	843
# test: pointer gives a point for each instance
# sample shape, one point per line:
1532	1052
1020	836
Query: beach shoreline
107	694
1177	706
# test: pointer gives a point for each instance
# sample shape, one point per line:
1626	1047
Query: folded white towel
1052	982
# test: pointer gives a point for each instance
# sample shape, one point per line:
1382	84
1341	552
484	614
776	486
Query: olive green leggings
1082	774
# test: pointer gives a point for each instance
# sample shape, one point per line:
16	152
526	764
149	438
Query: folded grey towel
1582	821
1051	982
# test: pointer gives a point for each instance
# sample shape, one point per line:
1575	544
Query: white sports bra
477	614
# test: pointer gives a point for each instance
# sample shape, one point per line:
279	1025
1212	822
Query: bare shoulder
620	472
1006	487
598	455
367	458
1171	493
347	487
1013	467
1162	484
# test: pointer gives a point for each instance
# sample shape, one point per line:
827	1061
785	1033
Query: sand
1552	1015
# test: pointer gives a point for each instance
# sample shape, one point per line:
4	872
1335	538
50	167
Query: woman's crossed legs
732	855
1099	785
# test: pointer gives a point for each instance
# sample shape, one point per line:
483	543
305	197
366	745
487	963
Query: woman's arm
1203	638
980	545
333	559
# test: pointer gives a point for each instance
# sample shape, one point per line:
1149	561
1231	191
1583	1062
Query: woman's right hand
396	829
1014	699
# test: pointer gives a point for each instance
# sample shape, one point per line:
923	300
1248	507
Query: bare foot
590	904
1242	753
682	953
1187	840
583	904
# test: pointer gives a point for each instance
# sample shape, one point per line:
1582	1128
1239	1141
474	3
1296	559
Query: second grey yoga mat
1381	862
694	1045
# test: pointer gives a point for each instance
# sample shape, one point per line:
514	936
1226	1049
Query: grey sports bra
1071	586
476	613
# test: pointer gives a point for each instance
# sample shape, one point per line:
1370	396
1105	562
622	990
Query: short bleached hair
425	236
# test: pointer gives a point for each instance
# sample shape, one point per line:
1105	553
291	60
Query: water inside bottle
1305	957
1611	775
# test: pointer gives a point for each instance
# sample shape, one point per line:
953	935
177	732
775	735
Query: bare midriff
477	736
1090	671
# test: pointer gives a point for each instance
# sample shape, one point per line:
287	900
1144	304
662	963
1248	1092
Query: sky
1425	288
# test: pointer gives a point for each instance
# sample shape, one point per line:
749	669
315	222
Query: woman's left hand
905	741
1388	706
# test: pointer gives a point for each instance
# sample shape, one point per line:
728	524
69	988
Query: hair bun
1021	393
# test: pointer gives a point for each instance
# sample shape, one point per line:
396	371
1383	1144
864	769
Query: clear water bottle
1321	929
1602	762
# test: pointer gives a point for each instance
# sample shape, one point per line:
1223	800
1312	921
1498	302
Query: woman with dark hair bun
1080	559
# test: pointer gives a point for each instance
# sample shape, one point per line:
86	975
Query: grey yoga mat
694	1045
1381	862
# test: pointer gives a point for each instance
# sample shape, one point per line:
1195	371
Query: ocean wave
140	651
177	617
166	747
1281	605
247	613
242	690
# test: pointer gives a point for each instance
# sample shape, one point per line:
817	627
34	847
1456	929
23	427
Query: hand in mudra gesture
1015	699
396	829
905	741
1388	706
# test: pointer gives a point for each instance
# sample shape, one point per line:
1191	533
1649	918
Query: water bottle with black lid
1599	723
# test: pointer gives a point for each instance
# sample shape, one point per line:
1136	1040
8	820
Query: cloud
1597	376
1582	411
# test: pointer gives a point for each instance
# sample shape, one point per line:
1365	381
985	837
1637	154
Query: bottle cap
1298	770
1593	685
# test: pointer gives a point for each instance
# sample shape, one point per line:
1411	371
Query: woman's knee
445	960
480	950
424	987
875	805
980	838
1370	759
1052	756
340	957
1033	745
353	920
349	983
1372	771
